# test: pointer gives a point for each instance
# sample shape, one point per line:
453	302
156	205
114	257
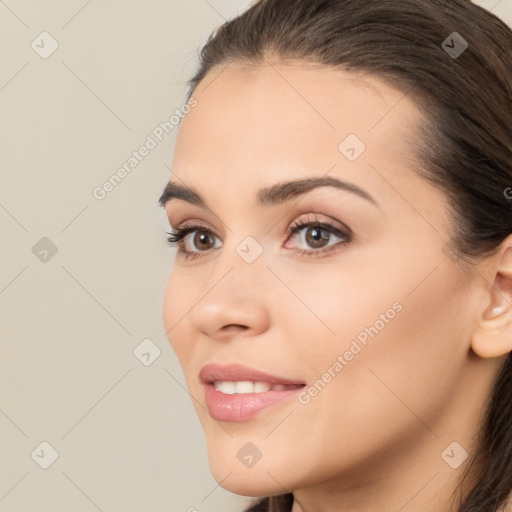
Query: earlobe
493	334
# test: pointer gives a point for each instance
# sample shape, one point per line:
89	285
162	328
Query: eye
202	239
317	235
190	237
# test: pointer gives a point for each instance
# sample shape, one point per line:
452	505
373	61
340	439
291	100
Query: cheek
334	307
169	305
403	324
178	299
410	374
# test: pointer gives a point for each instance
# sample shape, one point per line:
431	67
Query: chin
234	476
245	483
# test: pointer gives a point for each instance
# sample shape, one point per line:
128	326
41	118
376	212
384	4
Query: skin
372	439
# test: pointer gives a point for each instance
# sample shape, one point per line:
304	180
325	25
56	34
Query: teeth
261	387
247	386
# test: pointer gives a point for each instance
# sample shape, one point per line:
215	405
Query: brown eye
316	237
202	240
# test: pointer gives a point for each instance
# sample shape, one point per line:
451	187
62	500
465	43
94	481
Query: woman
341	298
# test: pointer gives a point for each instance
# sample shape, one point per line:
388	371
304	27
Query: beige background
126	434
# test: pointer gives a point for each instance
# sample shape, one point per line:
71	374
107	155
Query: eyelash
178	235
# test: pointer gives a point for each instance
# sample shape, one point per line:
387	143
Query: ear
493	334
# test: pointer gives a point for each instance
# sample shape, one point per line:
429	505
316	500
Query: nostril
234	327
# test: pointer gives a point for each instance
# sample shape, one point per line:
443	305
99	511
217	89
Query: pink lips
240	407
236	372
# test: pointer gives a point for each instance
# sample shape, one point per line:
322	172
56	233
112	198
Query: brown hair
464	144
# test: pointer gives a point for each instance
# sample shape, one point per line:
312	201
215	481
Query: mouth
238	393
243	387
242	375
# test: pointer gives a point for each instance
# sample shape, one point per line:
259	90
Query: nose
233	301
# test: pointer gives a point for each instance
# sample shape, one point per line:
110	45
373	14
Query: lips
235	407
237	372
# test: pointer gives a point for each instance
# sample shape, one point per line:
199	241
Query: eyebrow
273	195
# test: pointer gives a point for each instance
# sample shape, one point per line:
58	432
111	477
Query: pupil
202	238
317	237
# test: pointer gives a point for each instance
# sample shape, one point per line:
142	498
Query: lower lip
241	407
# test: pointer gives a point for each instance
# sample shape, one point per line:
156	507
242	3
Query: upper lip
237	372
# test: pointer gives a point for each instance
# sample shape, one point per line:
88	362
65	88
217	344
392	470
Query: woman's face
365	307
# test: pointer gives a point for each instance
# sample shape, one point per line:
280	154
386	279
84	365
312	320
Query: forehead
300	85
255	125
289	104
